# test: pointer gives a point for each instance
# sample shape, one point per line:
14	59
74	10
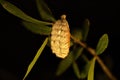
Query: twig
92	52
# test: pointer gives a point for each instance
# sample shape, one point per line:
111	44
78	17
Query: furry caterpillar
60	37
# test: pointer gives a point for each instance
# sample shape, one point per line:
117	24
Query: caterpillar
60	37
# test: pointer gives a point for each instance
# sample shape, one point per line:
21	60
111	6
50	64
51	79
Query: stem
92	52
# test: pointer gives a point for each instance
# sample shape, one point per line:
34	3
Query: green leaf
102	44
17	12
85	29
1	1
66	63
81	32
37	28
36	58
44	11
77	33
91	70
78	52
83	72
76	70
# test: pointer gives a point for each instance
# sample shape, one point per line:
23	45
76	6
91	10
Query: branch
92	52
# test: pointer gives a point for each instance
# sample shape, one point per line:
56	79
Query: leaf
85	29
78	52
36	58
76	70
1	1
91	70
44	11
37	28
66	63
82	73
77	33
81	34
17	12
102	44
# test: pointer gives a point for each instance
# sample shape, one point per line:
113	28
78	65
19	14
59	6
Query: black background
18	45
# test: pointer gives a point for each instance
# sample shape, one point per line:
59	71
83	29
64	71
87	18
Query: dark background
18	45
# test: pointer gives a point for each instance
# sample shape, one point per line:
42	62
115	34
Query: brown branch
92	52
